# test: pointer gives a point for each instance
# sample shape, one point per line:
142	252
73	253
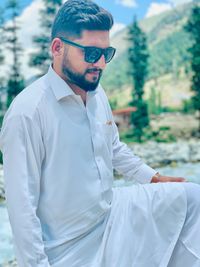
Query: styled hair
75	16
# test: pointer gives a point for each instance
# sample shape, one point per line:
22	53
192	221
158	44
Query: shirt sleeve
129	165
124	161
23	151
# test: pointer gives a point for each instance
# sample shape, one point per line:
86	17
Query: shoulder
27	102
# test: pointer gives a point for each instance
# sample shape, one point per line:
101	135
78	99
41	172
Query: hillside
168	63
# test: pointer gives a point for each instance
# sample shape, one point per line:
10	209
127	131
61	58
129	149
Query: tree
2	58
15	81
2	36
193	27
41	59
138	58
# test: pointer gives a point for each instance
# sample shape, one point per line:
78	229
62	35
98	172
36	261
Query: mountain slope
168	43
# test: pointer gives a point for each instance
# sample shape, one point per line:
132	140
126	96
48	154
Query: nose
101	63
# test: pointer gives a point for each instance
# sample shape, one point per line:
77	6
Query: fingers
164	179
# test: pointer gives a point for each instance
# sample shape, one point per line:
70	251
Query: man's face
74	68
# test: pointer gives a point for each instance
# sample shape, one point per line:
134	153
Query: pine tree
42	58
15	81
138	58
2	39
2	57
193	27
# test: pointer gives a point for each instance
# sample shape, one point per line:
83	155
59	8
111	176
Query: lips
94	72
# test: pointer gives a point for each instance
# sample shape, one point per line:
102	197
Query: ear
56	47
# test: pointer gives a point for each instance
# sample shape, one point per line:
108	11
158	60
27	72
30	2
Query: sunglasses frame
85	48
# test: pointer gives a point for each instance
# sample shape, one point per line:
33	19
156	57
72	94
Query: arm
22	148
158	178
128	164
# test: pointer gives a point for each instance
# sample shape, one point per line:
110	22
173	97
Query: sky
123	12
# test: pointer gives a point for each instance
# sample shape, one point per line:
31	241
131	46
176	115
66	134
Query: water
190	171
6	244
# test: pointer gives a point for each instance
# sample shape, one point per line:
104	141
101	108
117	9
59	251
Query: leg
187	250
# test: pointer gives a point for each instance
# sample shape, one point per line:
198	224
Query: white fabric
183	257
187	249
141	230
58	165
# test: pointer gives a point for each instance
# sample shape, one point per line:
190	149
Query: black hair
74	16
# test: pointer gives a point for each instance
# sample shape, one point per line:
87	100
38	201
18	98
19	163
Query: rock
159	154
10	264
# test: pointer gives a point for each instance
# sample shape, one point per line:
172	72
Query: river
191	171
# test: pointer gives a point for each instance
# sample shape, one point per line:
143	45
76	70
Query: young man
60	145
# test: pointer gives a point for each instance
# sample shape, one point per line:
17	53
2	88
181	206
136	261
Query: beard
80	79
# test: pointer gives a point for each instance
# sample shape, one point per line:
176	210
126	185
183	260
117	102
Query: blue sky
123	10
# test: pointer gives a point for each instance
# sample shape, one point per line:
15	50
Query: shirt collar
60	88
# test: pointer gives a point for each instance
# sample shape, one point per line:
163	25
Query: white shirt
59	157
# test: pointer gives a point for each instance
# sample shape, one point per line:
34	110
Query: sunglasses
93	53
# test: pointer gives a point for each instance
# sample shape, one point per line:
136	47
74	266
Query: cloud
29	26
179	2
29	21
116	28
127	3
157	8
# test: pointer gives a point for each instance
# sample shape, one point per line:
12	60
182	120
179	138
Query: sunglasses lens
92	54
109	54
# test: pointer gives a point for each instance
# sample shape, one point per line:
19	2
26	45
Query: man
60	145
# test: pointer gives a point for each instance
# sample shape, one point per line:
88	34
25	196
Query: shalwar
59	157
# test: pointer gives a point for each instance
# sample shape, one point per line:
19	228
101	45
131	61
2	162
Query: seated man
60	146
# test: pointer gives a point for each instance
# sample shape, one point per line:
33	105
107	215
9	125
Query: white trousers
186	252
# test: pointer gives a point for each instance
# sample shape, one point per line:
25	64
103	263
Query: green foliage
2	42
113	104
15	81
188	106
169	54
154	102
162	135
168	45
138	56
41	59
193	27
2	39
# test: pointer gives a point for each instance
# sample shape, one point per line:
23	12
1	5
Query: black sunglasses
93	53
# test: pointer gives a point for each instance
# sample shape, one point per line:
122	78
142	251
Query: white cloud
29	21
178	2
127	3
116	28
157	8
29	26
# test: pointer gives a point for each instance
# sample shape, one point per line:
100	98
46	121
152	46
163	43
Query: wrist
156	177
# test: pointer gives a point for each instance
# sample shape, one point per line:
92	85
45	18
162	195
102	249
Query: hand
158	178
